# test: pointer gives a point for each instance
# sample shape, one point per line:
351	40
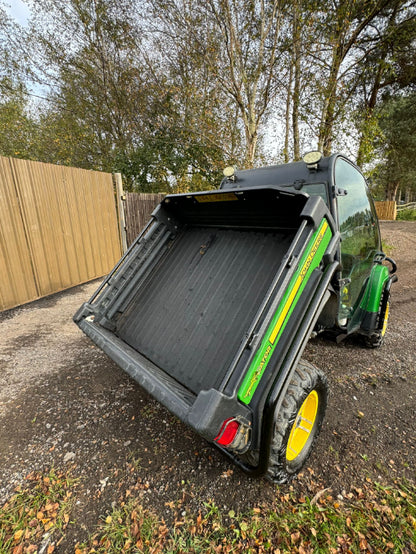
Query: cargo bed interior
192	314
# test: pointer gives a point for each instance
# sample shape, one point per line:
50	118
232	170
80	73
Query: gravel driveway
64	403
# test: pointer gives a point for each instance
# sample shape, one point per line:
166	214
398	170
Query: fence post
120	196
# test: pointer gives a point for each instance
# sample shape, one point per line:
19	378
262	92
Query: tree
170	91
235	44
346	28
250	32
113	105
17	128
199	119
83	51
397	145
391	64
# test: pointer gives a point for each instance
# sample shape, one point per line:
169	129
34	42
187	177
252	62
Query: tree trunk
287	116
407	196
327	118
391	190
296	89
328	110
369	111
251	144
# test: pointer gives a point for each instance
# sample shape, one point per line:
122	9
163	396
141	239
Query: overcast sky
18	10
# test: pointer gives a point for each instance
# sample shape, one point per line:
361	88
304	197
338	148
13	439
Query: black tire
308	387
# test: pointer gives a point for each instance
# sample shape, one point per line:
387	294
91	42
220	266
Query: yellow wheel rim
386	319
302	426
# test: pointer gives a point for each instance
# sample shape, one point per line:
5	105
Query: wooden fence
139	207
408	206
386	210
58	228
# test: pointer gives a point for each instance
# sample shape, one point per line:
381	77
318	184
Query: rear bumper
204	412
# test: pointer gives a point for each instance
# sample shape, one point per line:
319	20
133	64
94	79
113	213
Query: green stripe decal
310	260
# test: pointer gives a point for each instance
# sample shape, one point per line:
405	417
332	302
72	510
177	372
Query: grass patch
36	514
372	519
406	215
387	248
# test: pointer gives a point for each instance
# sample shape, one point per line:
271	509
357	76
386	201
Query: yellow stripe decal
298	282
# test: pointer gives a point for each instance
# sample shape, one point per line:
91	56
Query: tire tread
305	379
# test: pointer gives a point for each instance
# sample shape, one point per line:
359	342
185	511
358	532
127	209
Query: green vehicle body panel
378	277
309	261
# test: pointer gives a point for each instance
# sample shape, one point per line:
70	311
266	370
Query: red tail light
227	432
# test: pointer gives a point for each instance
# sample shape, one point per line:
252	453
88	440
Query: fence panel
16	270
139	207
386	210
60	226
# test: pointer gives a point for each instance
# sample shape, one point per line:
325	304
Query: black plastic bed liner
194	310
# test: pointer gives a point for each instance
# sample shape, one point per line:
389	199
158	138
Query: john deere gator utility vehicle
211	307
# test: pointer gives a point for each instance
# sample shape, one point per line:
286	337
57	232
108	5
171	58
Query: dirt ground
64	403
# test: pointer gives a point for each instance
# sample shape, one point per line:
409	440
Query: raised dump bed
212	306
189	305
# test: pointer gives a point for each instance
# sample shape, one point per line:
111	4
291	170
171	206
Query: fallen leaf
295	537
18	535
135	529
348	522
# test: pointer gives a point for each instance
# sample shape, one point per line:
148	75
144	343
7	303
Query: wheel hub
303	426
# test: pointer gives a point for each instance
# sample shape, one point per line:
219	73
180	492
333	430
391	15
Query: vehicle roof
285	174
